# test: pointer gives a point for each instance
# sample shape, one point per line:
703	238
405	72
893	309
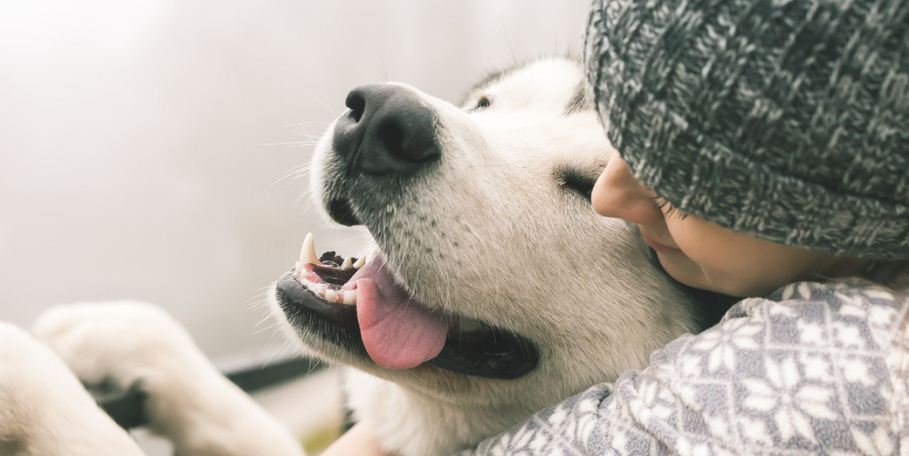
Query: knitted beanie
787	119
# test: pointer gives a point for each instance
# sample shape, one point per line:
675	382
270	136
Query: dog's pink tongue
397	332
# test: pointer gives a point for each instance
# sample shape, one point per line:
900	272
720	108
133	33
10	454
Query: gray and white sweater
816	368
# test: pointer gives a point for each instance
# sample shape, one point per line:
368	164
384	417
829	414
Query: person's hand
358	440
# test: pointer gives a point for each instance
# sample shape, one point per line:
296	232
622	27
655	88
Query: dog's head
494	282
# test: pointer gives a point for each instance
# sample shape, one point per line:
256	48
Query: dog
493	289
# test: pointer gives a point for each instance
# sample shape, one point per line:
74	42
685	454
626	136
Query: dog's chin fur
499	230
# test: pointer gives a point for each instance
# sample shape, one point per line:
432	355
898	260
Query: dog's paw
32	379
25	360
122	343
44	410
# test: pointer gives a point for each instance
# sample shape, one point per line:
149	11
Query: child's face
699	253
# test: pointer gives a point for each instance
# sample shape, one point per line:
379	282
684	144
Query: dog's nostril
357	104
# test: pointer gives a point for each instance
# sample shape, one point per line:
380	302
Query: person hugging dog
762	153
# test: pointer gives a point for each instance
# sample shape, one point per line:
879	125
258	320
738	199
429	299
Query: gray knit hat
785	119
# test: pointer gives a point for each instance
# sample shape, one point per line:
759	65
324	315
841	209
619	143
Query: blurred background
148	148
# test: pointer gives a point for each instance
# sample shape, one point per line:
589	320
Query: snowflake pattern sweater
816	368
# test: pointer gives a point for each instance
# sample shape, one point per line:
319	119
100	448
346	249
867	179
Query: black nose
388	130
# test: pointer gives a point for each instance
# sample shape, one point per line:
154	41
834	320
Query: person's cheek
696	239
736	263
722	259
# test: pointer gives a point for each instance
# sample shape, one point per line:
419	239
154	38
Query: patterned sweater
816	368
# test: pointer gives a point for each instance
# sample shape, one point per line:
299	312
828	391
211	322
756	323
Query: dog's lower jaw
412	424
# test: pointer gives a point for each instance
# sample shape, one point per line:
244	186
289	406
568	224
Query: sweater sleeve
817	368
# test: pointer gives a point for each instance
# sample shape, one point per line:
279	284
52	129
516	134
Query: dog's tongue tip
397	333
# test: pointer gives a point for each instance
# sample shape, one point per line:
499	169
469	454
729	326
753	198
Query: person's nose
618	194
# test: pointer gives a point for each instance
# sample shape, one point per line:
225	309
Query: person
762	151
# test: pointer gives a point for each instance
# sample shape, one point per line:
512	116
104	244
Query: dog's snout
388	130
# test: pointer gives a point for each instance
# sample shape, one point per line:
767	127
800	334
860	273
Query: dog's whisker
514	57
301	200
385	71
281	351
331	112
297	172
292	144
301	122
307	124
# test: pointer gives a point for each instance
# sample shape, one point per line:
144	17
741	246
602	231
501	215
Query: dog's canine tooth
360	262
308	251
331	295
347	264
350	297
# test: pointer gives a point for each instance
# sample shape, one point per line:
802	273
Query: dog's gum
326	291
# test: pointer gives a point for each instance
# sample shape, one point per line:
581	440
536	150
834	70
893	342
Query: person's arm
815	370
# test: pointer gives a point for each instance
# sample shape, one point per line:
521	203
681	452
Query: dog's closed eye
576	182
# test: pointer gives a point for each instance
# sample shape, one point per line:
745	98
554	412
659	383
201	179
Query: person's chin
684	270
687	272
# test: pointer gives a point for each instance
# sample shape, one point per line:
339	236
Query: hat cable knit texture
785	119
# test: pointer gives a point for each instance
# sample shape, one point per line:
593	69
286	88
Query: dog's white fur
47	412
492	233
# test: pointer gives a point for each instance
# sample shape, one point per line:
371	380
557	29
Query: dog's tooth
360	262
350	297
347	264
308	251
331	295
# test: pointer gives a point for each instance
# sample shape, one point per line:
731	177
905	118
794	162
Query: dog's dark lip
340	210
493	354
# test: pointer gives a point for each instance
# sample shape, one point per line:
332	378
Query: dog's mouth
359	305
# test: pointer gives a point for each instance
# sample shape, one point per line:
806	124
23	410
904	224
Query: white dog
494	291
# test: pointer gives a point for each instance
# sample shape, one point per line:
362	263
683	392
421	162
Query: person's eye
668	209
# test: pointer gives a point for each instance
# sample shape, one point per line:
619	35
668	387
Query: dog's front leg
188	400
44	410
